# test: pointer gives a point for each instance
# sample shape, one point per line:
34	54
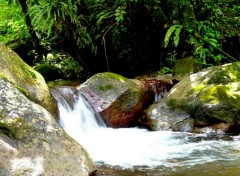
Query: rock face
26	79
163	117
118	99
211	96
31	142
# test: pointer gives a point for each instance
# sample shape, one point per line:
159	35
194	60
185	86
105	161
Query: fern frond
169	33
176	37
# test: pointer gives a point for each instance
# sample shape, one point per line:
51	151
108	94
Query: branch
214	47
104	44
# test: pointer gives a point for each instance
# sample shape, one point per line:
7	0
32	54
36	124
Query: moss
172	102
185	67
22	90
3	76
105	87
216	94
226	74
16	128
115	76
195	90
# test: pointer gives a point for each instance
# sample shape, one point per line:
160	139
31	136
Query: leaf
176	37
50	27
169	33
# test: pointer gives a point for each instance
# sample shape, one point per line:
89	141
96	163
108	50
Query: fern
176	37
173	29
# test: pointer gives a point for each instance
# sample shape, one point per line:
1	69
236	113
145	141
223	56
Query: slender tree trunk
35	40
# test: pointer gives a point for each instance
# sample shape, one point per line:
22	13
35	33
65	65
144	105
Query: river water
138	152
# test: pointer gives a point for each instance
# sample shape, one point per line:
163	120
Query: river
139	152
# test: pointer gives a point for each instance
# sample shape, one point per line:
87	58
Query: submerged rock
26	79
32	143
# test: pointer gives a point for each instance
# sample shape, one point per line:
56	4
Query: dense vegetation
129	37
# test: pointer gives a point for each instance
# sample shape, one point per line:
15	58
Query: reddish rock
119	100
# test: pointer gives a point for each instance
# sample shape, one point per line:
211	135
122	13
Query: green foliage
214	21
173	30
60	20
164	71
143	34
69	67
12	24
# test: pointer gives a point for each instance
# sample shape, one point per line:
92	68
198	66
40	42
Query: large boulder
119	100
32	143
26	79
211	96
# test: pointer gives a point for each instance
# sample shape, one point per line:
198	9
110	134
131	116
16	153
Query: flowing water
138	152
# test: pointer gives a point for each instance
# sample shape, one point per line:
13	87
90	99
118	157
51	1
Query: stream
139	152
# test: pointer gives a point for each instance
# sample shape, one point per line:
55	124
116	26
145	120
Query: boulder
211	96
119	100
26	79
162	118
32	143
185	67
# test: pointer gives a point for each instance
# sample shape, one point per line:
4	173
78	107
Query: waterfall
133	147
77	116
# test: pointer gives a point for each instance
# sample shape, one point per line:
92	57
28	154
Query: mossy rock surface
118	99
16	71
185	67
211	95
32	143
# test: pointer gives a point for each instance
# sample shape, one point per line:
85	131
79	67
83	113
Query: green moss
216	94
105	87
172	102
22	90
185	67
226	74
115	76
16	128
3	77
29	72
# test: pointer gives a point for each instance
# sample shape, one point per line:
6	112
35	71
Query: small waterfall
133	148
77	116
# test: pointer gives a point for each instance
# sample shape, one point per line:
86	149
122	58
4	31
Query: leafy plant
12	24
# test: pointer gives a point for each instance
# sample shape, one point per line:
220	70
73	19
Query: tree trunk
35	40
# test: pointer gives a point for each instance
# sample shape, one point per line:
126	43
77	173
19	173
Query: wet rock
163	117
119	100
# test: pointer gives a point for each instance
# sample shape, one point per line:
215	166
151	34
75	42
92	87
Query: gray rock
163	117
32	143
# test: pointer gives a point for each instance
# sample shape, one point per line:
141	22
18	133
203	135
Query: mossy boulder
211	96
119	100
185	67
32	143
25	78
